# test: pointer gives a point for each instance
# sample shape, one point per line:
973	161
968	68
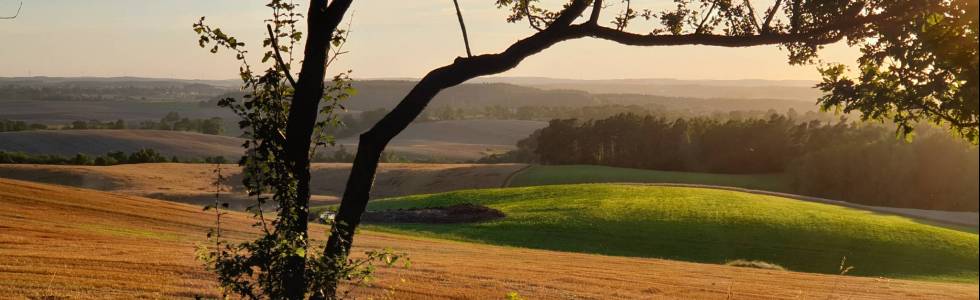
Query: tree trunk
321	23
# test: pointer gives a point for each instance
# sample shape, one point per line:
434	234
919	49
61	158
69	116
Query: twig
706	17
275	49
770	15
337	52
462	27
755	22
15	14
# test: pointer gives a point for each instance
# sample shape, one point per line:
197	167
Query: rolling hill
98	142
440	141
569	174
704	225
457	140
191	183
59	242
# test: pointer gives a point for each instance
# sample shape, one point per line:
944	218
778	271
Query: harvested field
81	244
98	142
191	183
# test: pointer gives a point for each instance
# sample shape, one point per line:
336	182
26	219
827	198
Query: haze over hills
800	90
395	88
443	141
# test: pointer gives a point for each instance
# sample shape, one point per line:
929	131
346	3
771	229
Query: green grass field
570	174
704	225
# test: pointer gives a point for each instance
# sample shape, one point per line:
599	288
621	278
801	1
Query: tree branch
795	19
769	15
596	9
462	27
706	17
21	5
279	61
755	22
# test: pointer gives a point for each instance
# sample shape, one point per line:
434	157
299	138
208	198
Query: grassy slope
704	225
544	175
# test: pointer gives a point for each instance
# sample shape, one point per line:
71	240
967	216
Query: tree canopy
918	58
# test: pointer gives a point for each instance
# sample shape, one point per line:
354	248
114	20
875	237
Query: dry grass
190	183
83	244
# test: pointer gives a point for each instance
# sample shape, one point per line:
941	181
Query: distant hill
456	140
799	90
97	142
444	141
374	94
109	89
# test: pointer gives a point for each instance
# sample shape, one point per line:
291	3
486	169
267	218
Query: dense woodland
857	162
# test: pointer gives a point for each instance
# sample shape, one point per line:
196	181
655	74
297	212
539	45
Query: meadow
704	225
569	174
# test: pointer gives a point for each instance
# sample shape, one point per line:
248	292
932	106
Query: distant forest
857	162
96	89
140	156
172	122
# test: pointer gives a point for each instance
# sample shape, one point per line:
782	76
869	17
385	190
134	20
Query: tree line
852	161
145	155
171	122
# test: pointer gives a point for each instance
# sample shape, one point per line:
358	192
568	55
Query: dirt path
62	242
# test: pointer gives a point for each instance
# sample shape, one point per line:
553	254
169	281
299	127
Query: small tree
283	121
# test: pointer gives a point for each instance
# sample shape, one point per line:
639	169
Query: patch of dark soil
460	213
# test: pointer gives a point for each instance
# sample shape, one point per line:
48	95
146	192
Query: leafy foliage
919	58
923	69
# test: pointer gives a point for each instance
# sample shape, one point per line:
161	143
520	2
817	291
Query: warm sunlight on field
83	244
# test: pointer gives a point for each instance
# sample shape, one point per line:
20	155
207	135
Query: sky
389	39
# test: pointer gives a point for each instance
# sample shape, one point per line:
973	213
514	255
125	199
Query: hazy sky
399	38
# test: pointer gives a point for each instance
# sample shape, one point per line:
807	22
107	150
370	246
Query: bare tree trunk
321	24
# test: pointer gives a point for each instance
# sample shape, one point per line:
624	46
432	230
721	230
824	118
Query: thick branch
572	12
279	60
796	18
462	27
596	10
